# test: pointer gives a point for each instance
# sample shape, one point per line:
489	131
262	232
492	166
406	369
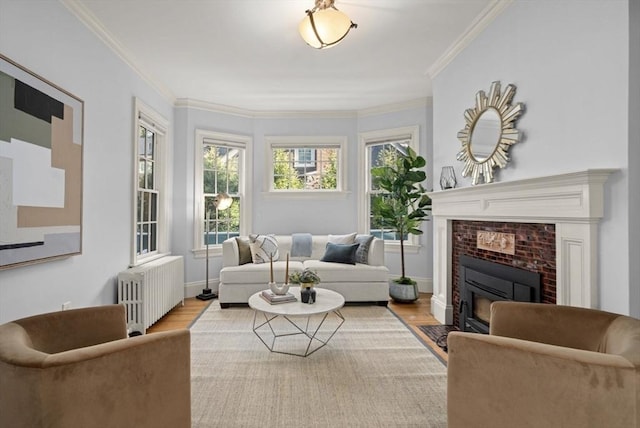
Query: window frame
307	142
146	116
367	139
244	144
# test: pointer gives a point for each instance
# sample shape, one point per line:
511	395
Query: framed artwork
41	137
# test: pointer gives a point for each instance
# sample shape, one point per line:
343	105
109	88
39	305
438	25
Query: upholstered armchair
546	366
78	368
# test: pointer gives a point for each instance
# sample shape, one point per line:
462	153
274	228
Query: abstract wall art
41	137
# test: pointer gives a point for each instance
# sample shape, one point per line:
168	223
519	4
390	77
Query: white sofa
357	283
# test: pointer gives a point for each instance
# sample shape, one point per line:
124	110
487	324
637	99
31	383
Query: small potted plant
402	208
307	279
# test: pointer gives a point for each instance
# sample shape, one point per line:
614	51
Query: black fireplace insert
483	282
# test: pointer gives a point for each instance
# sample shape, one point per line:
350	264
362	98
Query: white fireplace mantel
573	202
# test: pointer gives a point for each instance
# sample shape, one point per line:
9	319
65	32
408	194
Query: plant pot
403	293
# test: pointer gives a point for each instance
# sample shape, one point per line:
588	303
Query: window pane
146	204
150	175
383	154
234	217
138	238
222	182
153	237
139	210
154	207
209	181
141	168
150	144
145	239
305	168
142	132
209	157
220	174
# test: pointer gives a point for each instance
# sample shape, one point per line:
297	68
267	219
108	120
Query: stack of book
275	299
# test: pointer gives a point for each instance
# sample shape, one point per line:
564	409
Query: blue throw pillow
340	253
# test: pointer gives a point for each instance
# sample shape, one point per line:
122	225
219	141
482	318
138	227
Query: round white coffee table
268	327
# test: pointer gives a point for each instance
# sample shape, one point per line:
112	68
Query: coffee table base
311	335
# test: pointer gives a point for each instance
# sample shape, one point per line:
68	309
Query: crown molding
261	114
390	108
482	21
91	22
318	114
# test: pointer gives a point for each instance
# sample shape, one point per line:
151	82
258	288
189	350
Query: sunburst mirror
489	132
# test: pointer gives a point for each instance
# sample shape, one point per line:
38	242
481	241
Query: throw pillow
362	255
263	247
349	238
244	251
340	253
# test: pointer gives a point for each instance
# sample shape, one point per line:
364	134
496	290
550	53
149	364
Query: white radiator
151	290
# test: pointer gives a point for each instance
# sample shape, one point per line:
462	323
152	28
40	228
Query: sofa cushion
344	273
340	253
244	251
364	241
349	238
263	248
253	273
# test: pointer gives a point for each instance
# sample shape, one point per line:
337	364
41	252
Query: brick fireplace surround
555	220
535	251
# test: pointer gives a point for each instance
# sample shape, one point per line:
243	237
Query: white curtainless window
150	148
306	164
379	148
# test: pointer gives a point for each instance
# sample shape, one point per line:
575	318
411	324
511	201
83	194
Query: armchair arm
502	382
568	326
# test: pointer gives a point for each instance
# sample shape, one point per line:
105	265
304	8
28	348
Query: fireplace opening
483	282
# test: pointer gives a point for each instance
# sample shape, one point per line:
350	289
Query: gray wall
48	40
634	157
570	62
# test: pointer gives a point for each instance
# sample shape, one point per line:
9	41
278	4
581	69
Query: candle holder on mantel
447	178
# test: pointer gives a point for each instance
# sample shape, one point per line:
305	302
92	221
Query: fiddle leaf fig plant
403	205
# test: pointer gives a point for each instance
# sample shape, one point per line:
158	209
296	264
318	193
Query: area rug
372	373
438	333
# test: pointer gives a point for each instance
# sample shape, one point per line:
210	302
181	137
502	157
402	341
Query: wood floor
413	314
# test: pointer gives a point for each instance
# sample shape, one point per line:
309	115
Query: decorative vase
307	294
447	178
403	293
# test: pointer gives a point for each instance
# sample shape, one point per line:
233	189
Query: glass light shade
222	201
331	26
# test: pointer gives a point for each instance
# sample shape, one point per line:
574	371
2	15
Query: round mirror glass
485	135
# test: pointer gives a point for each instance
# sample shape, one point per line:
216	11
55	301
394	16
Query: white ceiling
247	54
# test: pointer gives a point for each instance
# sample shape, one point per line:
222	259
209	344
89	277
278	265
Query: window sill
307	194
142	260
394	247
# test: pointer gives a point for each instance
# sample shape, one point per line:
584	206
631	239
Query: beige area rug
373	373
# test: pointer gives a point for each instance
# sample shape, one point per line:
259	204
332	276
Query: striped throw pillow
263	247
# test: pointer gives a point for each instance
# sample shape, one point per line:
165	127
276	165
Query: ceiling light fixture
325	26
